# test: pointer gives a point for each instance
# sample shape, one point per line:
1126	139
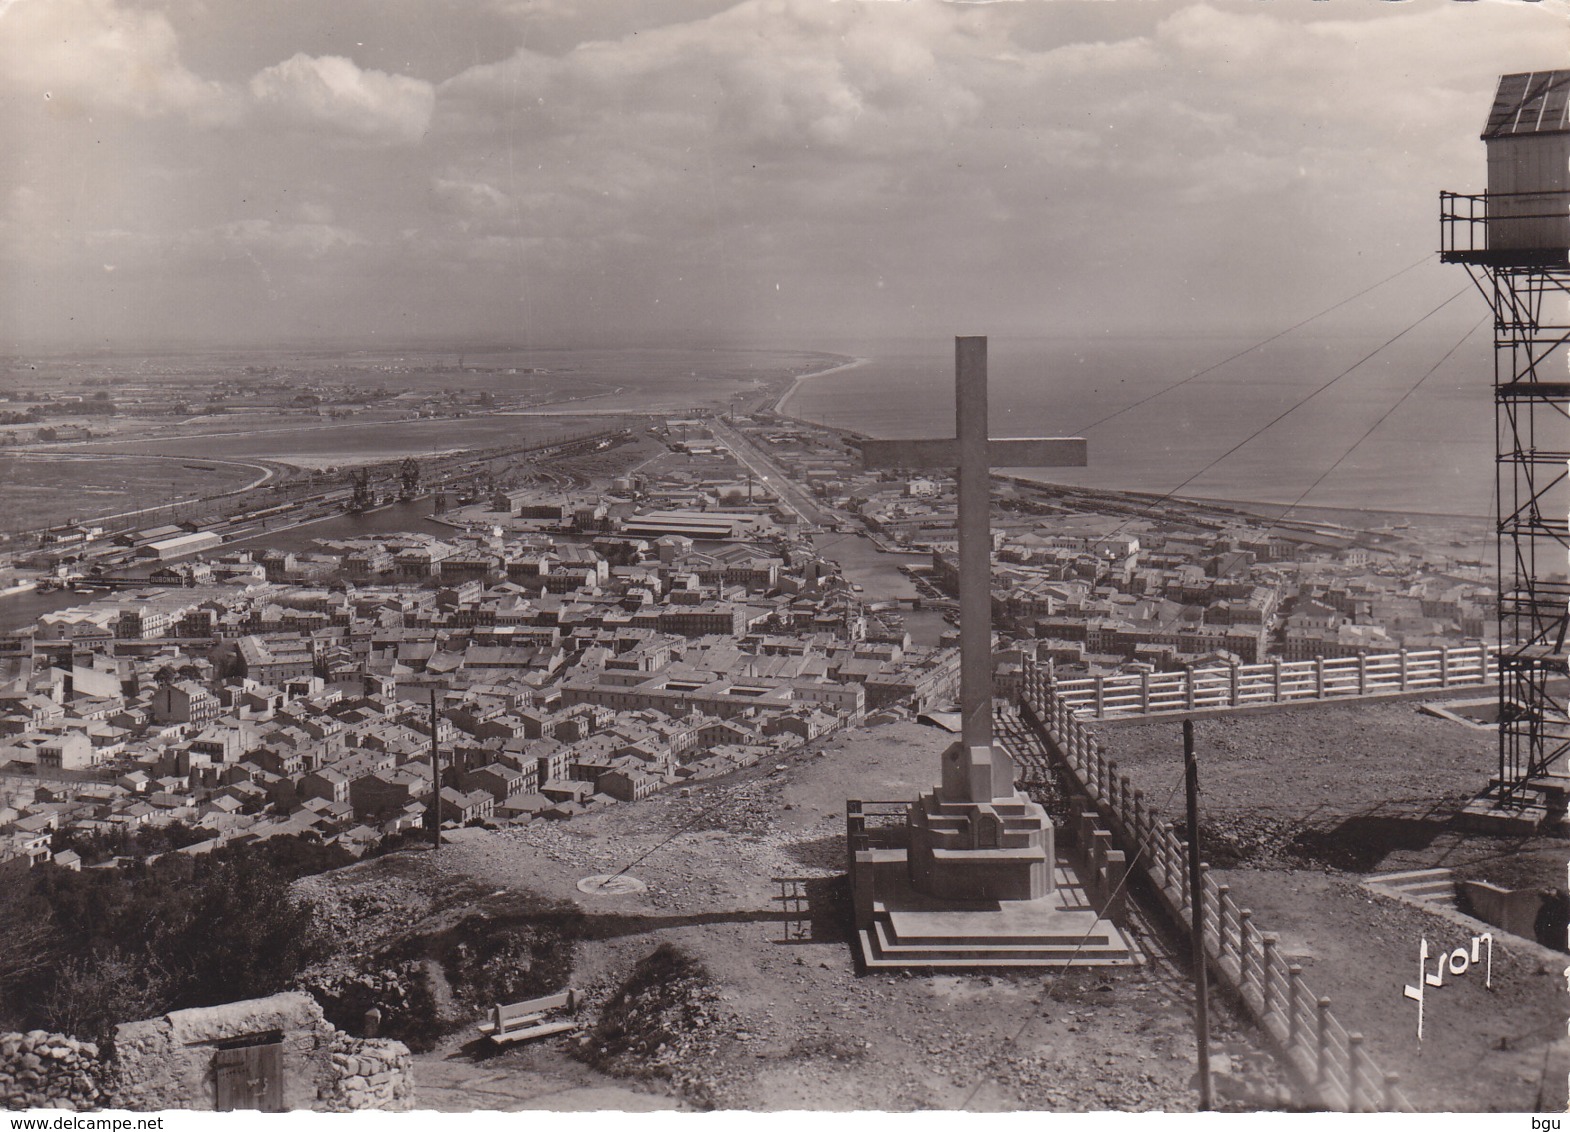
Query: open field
46	489
358	442
669	379
319	409
1298	805
103	477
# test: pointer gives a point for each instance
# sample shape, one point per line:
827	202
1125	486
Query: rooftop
1531	103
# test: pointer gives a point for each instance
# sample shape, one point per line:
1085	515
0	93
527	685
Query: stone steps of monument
1096	933
1097	943
876	954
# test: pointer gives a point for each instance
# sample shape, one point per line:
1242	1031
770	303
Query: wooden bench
520	1021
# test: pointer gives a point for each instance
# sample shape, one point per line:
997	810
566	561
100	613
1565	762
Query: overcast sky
790	172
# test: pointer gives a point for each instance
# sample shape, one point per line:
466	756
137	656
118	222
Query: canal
878	574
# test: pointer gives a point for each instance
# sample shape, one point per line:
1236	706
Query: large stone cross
978	777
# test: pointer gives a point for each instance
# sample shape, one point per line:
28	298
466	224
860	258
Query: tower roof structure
1534	102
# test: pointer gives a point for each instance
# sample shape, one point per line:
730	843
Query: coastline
1310	512
796	382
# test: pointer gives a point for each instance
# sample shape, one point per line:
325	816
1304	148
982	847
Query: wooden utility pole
1196	902
436	777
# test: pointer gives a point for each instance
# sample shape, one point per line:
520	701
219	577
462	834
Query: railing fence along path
1218	687
1331	1062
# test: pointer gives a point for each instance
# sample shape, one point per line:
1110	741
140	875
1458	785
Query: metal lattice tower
1514	240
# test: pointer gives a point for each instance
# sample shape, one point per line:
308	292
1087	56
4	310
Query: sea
1248	429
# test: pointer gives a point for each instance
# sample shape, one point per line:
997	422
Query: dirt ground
1298	805
793	1025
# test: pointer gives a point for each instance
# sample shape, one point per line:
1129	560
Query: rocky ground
764	1022
1298	805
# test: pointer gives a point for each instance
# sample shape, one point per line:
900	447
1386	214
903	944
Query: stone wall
168	1062
43	1070
369	1073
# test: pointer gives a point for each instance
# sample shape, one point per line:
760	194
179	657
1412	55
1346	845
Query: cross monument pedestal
975	837
972	879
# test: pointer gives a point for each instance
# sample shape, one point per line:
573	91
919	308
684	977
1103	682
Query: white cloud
872	159
310	241
331	91
93	56
470	198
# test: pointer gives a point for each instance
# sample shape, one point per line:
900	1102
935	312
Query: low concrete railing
1328	1060
1278	682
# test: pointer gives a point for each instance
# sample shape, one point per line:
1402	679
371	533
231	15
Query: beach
797	382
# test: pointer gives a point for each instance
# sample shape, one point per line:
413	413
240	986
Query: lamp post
436	777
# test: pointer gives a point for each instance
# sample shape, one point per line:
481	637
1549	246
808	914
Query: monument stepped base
898	927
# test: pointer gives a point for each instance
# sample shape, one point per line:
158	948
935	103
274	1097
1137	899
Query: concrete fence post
1275	672
1101	696
1233	684
1223	898
1322	1044
1294	998
1144	692
1402	655
1188	677
1243	927
1266	965
1100	846
1391	1102
1444	667
1354	1069
1362	674
1138	817
1116	869
1319	677
1114	801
